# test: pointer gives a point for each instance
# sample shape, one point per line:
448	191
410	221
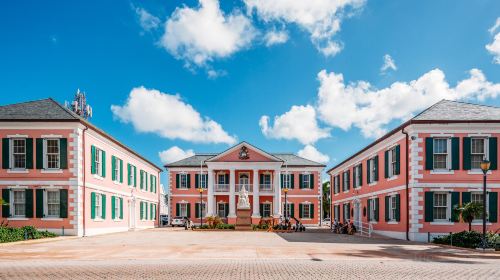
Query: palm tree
2	202
470	211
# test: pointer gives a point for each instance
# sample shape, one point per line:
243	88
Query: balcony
266	188
248	187
221	188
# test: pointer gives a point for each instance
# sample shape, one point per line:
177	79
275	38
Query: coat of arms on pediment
244	153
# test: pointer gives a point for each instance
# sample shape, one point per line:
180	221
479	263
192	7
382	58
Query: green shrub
11	234
465	239
224	226
260	227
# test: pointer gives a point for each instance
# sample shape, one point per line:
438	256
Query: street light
285	190
485	166
200	189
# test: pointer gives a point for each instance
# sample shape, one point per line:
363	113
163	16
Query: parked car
163	220
178	221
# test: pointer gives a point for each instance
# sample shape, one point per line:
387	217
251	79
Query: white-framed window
183	209
392	162
98	161
98	205
221	209
373	210
131	175
203	180
479	151
145	210
286	181
18	153
116	171
287	209
266	209
145	178
336	184
345	180
19	203
203	208
306	178
373	170
441	153
477	197
266	179
392	207
183	180
52	159
306	211
53	203
358	171
117	208
221	179
336	211
441	207
346	212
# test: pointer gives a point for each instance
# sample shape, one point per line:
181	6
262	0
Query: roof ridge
25	102
66	109
470	103
429	108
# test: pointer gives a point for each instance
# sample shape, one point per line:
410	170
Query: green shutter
121	207
39	153
177	181
226	208
466	198
113	214
39	203
177	209
360	175
129	182
311	208
197	210
398	207
348	179
493	207
292	210
113	167
103	206
103	163
466	153
301	181
151	210
429	153
311	181
63	205
368	173
493	153
29	153
6	199
282	183
348	210
92	205
301	207
376	168
455	203
261	209
189	210
386	164
141	180
29	203
5	154
142	210
354	184
376	209
368	208
398	160
63	142
196	180
121	171
387	208
429	206
135	177
455	153
92	160
292	181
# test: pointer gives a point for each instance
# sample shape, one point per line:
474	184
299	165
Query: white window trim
480	221
98	214
203	180
270	209
12	207
303	211
131	176
287	180
117	170
45	155
11	154
448	156
180	181
486	152
373	209
117	204
218	205
391	171
448	210
46	203
391	208
358	176
180	209
98	173
372	172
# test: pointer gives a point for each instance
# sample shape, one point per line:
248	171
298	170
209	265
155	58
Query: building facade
263	175
61	173
407	183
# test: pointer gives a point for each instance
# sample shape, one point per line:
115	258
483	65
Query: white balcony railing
221	187
248	187
266	188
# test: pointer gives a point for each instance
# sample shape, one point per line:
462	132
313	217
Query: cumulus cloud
389	63
495	26
275	37
202	34
167	115
361	105
147	21
320	18
494	47
299	123
311	153
174	154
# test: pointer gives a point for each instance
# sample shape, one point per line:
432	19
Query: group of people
343	228
188	224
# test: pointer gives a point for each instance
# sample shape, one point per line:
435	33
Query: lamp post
285	190
485	166
200	189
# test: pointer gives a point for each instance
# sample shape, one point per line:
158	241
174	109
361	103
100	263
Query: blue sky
199	76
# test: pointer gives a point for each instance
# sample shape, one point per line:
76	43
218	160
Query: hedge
11	234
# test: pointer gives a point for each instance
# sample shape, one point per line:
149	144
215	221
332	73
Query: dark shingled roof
50	110
288	159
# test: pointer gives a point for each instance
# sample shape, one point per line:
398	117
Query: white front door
357	213
131	217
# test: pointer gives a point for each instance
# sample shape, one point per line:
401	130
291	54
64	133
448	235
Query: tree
469	211
326	199
2	202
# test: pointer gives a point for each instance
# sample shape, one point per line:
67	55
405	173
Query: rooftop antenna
79	105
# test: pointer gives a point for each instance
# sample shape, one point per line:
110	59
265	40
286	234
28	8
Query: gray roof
45	109
288	159
446	110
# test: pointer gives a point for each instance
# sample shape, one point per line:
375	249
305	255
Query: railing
221	187
248	187
266	188
363	229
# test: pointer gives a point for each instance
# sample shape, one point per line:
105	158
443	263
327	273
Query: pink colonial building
407	183
61	173
263	175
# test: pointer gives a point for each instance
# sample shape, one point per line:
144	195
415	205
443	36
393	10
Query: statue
243	202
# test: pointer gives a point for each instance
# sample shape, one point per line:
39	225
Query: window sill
442	171
52	219
373	223
117	220
392	222
117	183
17	219
372	184
480	223
478	172
98	220
51	171
98	177
443	223
345	192
394	177
20	171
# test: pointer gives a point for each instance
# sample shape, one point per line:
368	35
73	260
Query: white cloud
150	110
494	48
389	63
202	34
174	154
146	20
298	123
320	18
370	109
275	37
495	26
311	153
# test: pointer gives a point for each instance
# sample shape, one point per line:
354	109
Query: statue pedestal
243	219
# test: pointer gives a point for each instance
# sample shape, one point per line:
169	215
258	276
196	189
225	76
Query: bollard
451	239
428	237
62	231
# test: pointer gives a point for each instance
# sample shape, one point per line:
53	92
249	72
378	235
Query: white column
210	193
232	198
277	193
256	206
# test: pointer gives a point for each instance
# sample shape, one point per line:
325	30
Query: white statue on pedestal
243	202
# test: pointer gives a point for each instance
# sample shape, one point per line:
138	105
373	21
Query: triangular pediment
244	152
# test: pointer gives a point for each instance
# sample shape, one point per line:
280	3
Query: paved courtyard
175	253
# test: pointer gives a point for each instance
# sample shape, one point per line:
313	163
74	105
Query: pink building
407	183
61	173
262	174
